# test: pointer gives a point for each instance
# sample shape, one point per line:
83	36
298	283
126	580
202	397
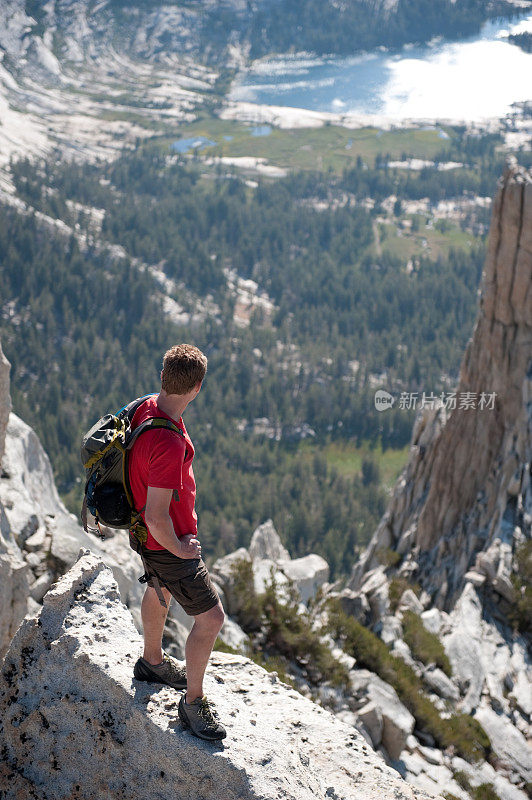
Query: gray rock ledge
77	725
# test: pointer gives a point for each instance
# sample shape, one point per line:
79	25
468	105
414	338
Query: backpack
104	454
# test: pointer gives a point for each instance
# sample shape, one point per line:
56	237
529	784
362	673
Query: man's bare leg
153	619
199	647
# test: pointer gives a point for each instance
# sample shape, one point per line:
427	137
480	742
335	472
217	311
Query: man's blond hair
184	366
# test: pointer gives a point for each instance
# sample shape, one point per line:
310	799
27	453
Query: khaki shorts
187	579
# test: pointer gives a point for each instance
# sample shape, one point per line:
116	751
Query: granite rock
265	543
77	723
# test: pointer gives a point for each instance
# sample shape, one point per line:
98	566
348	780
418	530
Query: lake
470	80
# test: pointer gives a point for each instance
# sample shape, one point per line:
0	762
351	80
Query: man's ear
198	386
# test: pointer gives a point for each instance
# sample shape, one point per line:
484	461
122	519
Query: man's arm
158	520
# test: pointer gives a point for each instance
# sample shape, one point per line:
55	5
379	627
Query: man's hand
190	546
158	520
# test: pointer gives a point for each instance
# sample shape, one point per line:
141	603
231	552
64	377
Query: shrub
274	664
460	730
290	633
222	647
425	646
387	557
247	602
280	632
521	613
462	780
483	792
398	585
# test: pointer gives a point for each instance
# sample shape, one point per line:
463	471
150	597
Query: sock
156	665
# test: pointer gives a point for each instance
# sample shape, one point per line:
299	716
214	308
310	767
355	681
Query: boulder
521	690
267	553
398	722
14	573
391	630
379	603
264	571
481	657
307	573
487	561
432	620
476	578
503	586
375	579
402	650
441	684
431	754
441	777
410	602
371	718
265	543
413	763
375	588
175	636
39	587
508	744
77	724
233	636
463	646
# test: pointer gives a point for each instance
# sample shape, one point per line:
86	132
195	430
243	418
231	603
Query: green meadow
330	147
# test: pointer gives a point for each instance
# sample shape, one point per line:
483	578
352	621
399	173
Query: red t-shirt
163	459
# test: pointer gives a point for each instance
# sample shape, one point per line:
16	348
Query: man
162	484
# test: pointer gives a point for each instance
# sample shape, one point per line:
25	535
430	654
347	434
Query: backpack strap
153	422
129	409
149	577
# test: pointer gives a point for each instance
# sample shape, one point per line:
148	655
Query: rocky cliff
453	548
77	725
464	500
13	569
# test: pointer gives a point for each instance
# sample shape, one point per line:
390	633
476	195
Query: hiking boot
201	718
170	672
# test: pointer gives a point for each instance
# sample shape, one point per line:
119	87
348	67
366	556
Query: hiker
162	484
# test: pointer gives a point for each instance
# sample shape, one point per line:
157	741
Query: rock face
460	509
76	724
14	580
5	399
467	486
14	573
